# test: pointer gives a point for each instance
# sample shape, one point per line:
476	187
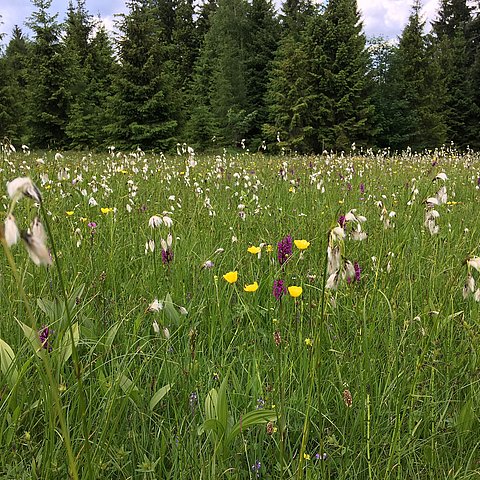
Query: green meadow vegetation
141	347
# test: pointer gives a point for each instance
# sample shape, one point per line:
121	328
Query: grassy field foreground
163	338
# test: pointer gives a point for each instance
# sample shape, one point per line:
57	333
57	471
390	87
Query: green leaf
65	348
170	310
110	335
256	417
32	337
7	365
159	394
130	389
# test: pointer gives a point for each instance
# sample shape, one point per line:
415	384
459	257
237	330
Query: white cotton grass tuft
11	232
155	306
474	262
442	176
23	186
155	221
34	241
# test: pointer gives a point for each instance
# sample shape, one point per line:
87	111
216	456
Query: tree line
236	72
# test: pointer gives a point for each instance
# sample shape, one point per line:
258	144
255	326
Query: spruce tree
450	42
144	105
416	90
264	35
48	98
342	75
13	80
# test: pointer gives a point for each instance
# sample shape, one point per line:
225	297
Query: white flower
337	233
474	262
23	186
155	306
92	202
34	240
334	259
167	221
332	281
155	221
442	176
12	235
58	156
208	264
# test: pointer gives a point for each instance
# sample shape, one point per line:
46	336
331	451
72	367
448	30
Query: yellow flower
309	342
301	244
306	456
106	210
83	219
231	277
295	291
269	249
253	287
291	189
254	250
47	187
70	213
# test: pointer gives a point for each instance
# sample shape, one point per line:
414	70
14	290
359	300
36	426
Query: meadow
240	316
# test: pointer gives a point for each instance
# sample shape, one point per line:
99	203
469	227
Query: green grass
403	341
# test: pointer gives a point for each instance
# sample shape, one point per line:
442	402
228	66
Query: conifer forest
299	77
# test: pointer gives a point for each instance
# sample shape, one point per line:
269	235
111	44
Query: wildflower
231	277
302	244
12	235
154	221
183	311
192	401
358	271
342	221
107	210
23	186
44	335
277	338
208	265
167	252
349	271
34	240
347	398
167	221
155	327
155	306
474	262
279	289
254	250
309	342
69	212
306	456
284	250
256	468
362	188
269	248
295	291
441	176
337	233
253	287
92	225
260	403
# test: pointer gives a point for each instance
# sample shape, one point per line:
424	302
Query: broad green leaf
170	310
250	419
110	335
32	337
7	359
65	348
159	394
130	389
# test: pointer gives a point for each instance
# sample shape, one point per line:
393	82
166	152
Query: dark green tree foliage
144	105
451	43
381	54
204	22
345	85
288	89
13	85
417	93
264	35
288	85
88	111
219	96
472	58
47	94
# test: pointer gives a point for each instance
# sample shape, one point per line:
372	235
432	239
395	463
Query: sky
380	17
